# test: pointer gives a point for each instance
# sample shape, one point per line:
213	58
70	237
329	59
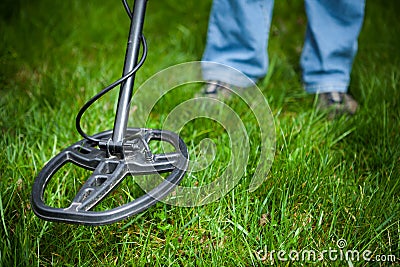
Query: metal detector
115	154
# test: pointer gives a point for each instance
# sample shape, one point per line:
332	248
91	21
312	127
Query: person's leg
237	36
331	44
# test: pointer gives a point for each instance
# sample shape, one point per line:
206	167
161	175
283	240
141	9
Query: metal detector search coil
116	154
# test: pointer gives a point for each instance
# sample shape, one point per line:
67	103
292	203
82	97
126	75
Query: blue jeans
238	37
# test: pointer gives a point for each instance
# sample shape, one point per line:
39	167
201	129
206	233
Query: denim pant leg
331	43
238	37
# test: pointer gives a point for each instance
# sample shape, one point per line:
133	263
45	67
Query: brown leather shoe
217	89
337	104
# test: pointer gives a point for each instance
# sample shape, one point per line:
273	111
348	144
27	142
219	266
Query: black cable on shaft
111	86
127	8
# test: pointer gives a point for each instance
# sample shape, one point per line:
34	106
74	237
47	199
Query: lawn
333	184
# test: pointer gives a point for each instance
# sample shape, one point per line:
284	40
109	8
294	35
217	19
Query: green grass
329	179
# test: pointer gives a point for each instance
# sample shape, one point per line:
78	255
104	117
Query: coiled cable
111	86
